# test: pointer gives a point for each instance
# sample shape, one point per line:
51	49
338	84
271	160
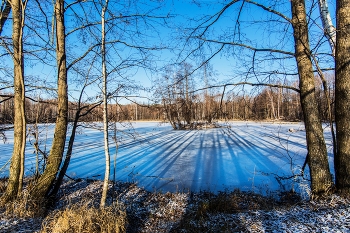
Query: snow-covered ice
253	156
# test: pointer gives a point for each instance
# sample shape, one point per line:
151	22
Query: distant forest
267	103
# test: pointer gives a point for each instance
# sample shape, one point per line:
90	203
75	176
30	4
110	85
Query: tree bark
14	186
321	181
68	155
47	179
342	97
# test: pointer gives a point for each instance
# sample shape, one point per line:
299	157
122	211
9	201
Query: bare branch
270	10
248	46
249	83
8	97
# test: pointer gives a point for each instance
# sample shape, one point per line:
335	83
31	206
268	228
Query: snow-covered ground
251	156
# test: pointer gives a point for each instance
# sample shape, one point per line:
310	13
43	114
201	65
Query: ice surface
244	155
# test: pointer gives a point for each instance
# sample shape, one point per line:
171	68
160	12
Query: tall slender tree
46	180
15	183
105	107
321	180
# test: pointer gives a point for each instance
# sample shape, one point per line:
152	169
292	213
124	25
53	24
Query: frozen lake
244	155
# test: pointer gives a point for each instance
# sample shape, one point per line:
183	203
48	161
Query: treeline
266	104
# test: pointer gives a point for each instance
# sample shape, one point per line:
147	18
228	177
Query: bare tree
15	183
321	180
105	107
46	180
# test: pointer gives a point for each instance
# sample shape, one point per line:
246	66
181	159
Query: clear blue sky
230	65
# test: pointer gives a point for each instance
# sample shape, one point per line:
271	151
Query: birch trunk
105	109
328	26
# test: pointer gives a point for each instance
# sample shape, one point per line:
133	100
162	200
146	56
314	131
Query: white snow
244	155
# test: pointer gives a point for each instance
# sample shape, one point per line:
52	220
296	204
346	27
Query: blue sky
230	65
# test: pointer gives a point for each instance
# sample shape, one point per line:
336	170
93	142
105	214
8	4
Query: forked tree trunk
54	160
321	180
15	182
342	97
66	162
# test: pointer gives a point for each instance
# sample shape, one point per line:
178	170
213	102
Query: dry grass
3	184
25	207
232	202
75	210
84	218
208	206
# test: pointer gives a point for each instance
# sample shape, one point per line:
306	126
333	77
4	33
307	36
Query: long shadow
153	155
260	163
95	154
166	154
251	150
234	157
172	157
150	150
208	173
198	164
282	148
285	148
146	149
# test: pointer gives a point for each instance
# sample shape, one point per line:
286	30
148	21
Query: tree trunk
47	179
68	155
273	112
105	113
15	182
321	180
342	97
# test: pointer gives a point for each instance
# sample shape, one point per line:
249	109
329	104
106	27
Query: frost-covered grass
135	209
250	156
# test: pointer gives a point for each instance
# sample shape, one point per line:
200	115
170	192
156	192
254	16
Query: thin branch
247	46
114	18
248	83
270	10
27	97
